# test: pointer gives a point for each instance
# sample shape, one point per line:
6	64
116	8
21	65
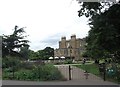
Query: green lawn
91	68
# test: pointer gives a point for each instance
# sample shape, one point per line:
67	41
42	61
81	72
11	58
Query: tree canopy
104	36
42	54
14	41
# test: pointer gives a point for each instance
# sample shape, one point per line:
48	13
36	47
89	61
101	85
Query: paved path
76	73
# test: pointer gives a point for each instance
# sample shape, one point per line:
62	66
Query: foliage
104	37
42	54
112	72
46	53
39	72
9	62
47	72
68	61
90	9
24	51
15	40
12	64
32	54
24	75
85	54
5	74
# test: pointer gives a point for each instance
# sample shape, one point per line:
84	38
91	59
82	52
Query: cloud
46	21
52	40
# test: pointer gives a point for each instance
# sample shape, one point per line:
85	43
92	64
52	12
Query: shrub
68	61
40	72
47	72
11	62
5	75
24	75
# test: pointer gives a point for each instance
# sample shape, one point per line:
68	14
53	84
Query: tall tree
15	40
42	54
104	37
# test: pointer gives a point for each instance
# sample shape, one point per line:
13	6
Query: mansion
72	48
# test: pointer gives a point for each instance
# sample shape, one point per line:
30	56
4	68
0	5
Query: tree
24	51
42	54
46	53
9	44
15	40
33	55
91	9
104	37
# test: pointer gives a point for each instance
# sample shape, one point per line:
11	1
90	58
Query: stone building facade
72	48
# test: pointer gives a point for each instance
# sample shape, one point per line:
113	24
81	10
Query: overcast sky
46	21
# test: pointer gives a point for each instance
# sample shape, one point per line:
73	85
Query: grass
91	68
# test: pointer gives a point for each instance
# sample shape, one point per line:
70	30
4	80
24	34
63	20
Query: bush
5	75
47	72
41	72
11	62
68	62
24	75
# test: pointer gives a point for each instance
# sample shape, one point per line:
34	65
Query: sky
46	21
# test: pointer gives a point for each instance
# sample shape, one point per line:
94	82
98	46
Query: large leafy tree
14	41
48	52
104	37
34	55
42	54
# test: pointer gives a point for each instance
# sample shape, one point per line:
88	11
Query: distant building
72	48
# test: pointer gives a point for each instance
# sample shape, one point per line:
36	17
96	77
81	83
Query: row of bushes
42	73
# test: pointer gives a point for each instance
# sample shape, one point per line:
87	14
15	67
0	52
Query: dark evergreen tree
14	41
